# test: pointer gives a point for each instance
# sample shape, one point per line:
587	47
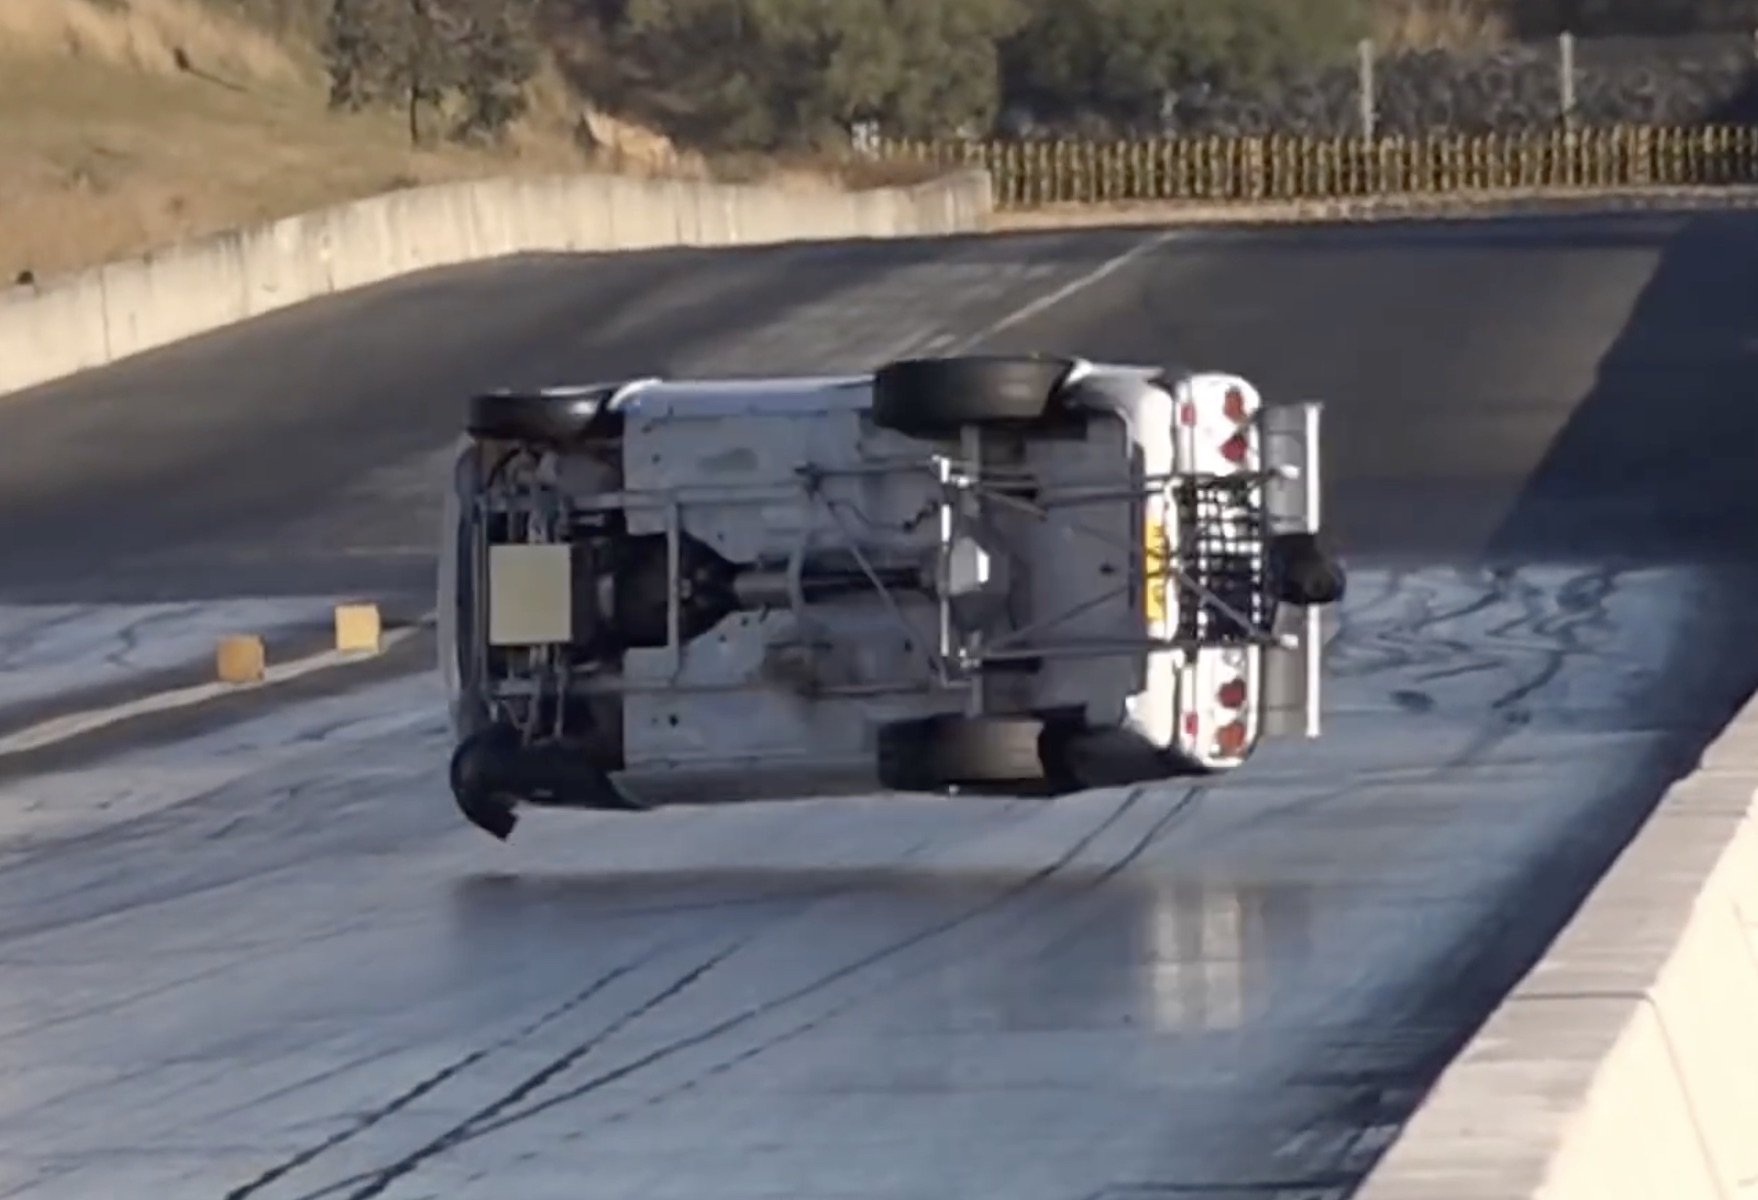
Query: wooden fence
1242	169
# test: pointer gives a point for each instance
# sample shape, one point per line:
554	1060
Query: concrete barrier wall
107	313
1625	1065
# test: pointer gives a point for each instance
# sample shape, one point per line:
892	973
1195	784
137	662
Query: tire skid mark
14	642
136	904
1583	603
1565	617
108	858
145	828
1558	617
1497	590
117	1004
495	1116
292	1088
1158	829
1349	616
1584	599
1408	640
130	636
452	1070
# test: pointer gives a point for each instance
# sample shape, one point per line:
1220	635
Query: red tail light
1235	448
1230	740
1232	694
1233	405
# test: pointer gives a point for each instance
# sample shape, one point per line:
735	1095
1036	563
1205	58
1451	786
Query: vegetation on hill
768	76
125	123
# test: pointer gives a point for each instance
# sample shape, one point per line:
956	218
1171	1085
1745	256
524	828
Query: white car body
1097	591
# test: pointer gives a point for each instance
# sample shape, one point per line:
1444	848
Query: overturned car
989	575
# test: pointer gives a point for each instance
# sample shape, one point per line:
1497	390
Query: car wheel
936	397
1304	573
543	418
981	754
481	763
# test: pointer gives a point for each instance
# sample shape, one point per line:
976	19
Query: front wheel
494	770
481	765
991	755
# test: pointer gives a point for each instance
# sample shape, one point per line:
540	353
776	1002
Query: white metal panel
530	594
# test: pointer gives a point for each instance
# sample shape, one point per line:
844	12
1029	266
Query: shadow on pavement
1655	466
1658	461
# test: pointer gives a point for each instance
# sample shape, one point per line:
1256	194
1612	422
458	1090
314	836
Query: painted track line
953	344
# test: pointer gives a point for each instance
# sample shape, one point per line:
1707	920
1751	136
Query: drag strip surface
301	452
269	961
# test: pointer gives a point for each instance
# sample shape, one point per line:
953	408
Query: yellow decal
1154	573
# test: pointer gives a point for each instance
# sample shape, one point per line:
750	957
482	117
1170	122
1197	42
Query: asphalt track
266	960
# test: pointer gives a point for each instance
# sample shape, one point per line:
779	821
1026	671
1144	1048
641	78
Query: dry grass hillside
125	124
1440	24
129	123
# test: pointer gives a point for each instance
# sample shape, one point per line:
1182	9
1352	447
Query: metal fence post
1566	77
1369	116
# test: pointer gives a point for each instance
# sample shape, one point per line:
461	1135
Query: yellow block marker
240	659
358	628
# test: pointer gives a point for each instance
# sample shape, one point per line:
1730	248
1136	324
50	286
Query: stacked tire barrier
98	316
1284	167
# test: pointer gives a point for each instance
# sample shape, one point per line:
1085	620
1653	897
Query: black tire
1304	572
985	754
492	771
936	397
480	763
533	417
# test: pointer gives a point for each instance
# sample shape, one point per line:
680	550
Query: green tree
392	51
774	74
497	57
427	57
760	74
1596	18
1273	38
352	45
1119	57
695	57
945	70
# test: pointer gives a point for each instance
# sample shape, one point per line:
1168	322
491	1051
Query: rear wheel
936	397
978	754
540	418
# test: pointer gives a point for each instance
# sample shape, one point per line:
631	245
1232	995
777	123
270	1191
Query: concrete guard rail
106	313
1625	1065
